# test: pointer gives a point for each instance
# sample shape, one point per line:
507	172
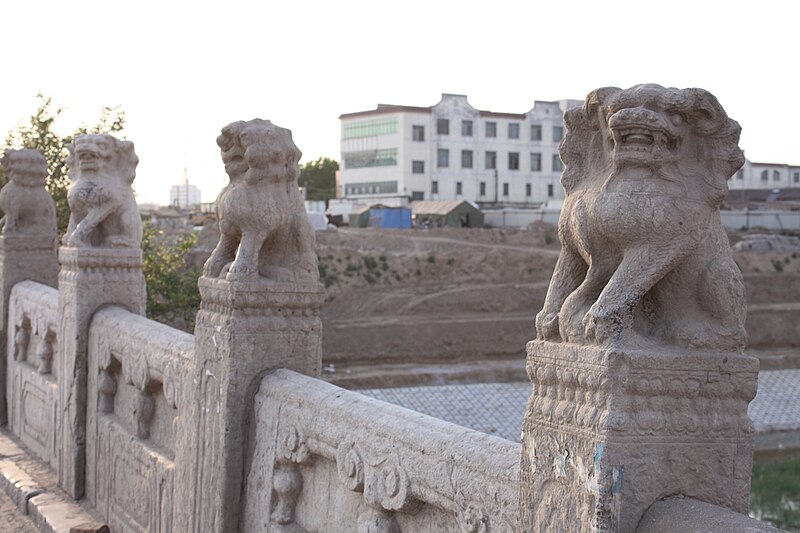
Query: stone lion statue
645	260
28	207
264	228
103	210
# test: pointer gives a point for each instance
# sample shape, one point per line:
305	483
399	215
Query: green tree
172	294
319	179
38	134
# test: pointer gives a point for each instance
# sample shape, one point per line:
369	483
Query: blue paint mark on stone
617	476
599	449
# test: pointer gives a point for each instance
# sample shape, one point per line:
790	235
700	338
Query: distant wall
774	220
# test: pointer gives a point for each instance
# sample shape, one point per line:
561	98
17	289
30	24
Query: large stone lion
264	228
644	258
29	209
103	210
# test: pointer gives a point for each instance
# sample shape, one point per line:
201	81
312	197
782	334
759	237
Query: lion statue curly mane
103	210
265	234
645	260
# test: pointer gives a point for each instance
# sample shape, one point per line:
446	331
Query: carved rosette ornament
293	446
639	385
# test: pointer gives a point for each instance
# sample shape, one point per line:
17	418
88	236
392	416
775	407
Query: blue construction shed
390	217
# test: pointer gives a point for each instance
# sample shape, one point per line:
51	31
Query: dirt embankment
443	296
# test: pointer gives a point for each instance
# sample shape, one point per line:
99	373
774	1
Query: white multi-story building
754	175
184	196
394	154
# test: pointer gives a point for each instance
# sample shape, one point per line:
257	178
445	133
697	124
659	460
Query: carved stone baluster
44	354
22	340
377	520
286	485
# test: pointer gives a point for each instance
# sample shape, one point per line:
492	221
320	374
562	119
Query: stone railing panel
137	372
338	461
32	374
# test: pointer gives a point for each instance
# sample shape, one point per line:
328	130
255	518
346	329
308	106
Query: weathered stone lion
644	257
260	211
28	207
103	210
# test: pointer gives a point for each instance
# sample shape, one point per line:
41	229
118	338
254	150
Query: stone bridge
135	426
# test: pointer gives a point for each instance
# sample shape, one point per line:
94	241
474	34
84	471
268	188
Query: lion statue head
257	149
101	155
679	135
27	168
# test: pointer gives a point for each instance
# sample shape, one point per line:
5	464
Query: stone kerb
260	300
639	386
28	238
101	264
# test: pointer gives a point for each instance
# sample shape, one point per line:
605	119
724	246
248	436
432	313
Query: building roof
384	109
436	207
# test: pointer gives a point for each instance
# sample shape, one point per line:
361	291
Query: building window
505	189
536	132
434	187
418	133
776	176
417	196
558	132
443	126
384	157
466	158
466	128
377	187
549	190
443	158
491	160
740	175
418	167
796	177
536	162
513	160
765	175
458	188
483	188
528	190
491	129
369	128
558	166
513	130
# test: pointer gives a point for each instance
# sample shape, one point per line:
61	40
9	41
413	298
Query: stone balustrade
33	378
339	461
137	372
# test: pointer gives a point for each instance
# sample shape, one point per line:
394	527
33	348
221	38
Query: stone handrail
388	465
32	374
693	516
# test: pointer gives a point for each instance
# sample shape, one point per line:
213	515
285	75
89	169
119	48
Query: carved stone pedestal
22	257
89	279
243	331
609	432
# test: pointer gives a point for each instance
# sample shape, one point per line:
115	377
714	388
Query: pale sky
183	70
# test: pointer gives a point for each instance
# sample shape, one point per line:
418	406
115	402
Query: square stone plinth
608	432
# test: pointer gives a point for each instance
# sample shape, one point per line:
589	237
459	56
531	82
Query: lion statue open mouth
645	260
264	229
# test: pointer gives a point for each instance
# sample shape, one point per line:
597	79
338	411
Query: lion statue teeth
645	260
29	209
103	210
265	234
